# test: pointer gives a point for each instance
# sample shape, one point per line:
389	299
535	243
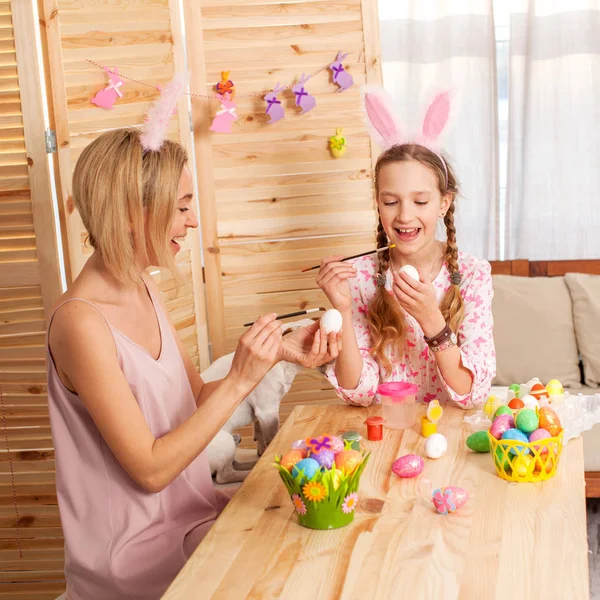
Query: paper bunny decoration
106	97
340	76
225	116
383	123
303	99
274	107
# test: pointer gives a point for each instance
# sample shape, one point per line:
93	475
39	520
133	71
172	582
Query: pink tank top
122	542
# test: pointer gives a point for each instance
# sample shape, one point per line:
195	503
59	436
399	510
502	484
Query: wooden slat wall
29	286
270	190
144	40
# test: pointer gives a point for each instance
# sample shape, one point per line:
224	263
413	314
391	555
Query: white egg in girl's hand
331	321
436	445
410	271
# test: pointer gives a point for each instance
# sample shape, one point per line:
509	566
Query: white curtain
553	189
428	45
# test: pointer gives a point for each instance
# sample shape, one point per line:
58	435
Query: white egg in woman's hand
410	271
331	321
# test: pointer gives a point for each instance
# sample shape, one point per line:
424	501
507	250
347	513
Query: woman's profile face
184	216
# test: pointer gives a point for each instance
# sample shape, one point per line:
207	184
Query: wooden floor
593	527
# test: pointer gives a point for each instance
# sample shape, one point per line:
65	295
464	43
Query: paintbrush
292	314
354	256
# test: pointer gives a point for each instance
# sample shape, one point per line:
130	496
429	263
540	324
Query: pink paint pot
398	404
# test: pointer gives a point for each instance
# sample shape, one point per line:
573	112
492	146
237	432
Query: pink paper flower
299	504
350	502
444	501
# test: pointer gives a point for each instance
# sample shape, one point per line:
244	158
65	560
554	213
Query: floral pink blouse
418	364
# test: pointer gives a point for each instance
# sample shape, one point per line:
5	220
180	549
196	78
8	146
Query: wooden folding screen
273	198
31	556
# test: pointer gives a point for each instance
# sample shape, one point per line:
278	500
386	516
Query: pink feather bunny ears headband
154	130
383	123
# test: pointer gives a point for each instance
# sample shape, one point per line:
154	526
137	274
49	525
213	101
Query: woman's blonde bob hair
126	198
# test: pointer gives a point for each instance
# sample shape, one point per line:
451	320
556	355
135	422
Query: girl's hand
333	280
418	299
310	347
257	351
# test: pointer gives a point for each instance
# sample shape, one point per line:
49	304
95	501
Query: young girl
130	415
436	332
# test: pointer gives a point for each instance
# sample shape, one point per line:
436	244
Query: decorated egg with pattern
409	465
348	460
289	459
549	420
501	424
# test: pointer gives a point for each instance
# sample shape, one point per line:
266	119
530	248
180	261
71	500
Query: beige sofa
549	327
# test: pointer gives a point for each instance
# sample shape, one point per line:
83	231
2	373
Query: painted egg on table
331	321
289	459
515	388
523	465
527	420
479	441
501	424
337	444
348	460
539	434
516	404
409	465
503	410
309	466
518	436
436	445
449	499
325	458
549	420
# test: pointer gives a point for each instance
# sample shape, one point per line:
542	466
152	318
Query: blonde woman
130	415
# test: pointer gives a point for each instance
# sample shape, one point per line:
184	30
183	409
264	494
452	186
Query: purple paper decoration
274	107
303	99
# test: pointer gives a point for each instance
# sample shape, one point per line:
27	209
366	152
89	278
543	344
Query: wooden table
509	542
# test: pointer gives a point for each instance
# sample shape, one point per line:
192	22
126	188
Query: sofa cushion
534	332
585	295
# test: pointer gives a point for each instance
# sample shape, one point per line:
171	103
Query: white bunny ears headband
383	123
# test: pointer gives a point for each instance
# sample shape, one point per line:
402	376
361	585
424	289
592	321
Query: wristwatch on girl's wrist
443	340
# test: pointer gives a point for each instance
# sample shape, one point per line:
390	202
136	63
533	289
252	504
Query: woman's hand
418	299
257	351
310	347
333	280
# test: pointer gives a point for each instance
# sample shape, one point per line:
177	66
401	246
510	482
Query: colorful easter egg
436	445
544	463
539	434
516	404
538	391
325	458
409	465
554	388
309	466
527	420
549	420
501	424
490	406
348	460
289	459
479	441
515	388
318	443
502	410
449	499
523	465
519	436
337	444
299	444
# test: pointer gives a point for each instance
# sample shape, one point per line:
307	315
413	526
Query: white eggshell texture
436	445
331	321
410	271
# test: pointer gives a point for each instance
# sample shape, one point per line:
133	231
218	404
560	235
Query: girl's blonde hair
127	198
385	316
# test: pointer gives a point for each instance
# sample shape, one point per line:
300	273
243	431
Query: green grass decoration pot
328	500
